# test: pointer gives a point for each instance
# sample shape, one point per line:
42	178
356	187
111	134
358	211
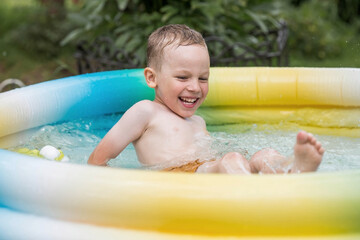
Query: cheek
178	87
205	89
171	91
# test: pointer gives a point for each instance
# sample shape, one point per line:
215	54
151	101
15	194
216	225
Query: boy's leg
308	154
231	163
267	161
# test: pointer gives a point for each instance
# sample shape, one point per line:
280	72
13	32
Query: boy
165	131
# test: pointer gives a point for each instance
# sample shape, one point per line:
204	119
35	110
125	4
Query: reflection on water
78	138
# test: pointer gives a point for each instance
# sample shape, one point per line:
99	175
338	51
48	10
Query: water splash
78	138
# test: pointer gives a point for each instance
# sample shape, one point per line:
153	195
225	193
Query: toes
319	148
311	139
302	137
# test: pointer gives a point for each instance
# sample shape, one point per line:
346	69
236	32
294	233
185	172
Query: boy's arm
129	128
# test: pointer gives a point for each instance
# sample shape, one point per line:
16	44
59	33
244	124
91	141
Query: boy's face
182	81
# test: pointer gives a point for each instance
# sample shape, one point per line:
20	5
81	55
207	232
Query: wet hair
178	34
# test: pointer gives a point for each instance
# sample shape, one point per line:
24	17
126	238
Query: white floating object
50	152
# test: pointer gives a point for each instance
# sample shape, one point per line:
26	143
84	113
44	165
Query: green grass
32	71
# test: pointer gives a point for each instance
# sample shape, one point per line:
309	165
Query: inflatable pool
41	199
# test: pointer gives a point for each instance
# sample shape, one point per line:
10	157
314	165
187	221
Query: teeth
189	100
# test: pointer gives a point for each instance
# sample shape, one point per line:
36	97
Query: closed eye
203	79
182	77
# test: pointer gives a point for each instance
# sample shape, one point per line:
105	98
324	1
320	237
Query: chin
186	114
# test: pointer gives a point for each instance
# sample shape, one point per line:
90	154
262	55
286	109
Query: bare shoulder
144	107
141	112
144	104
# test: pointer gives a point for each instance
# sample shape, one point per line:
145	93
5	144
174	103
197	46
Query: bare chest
168	138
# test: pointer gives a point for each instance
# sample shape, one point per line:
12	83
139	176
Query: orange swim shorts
189	167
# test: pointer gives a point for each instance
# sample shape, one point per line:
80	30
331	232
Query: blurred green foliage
129	23
319	30
30	41
316	30
32	29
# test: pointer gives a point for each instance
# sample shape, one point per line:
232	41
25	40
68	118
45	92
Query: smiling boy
166	130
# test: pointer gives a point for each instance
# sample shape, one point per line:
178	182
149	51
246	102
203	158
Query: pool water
78	138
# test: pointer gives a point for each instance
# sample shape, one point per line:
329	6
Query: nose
193	85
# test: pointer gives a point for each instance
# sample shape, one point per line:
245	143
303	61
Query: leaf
257	19
133	44
71	36
122	4
168	11
95	7
274	21
122	40
122	29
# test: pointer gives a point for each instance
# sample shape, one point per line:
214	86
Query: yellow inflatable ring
42	199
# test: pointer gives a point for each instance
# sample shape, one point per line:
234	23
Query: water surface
78	138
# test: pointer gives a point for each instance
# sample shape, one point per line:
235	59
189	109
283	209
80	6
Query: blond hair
178	34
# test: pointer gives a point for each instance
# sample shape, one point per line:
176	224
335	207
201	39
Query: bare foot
308	153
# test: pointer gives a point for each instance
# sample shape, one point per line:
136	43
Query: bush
315	29
129	23
32	29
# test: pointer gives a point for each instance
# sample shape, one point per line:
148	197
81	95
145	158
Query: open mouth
188	101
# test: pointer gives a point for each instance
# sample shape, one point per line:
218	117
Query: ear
150	77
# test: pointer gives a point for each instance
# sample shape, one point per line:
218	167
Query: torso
169	137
